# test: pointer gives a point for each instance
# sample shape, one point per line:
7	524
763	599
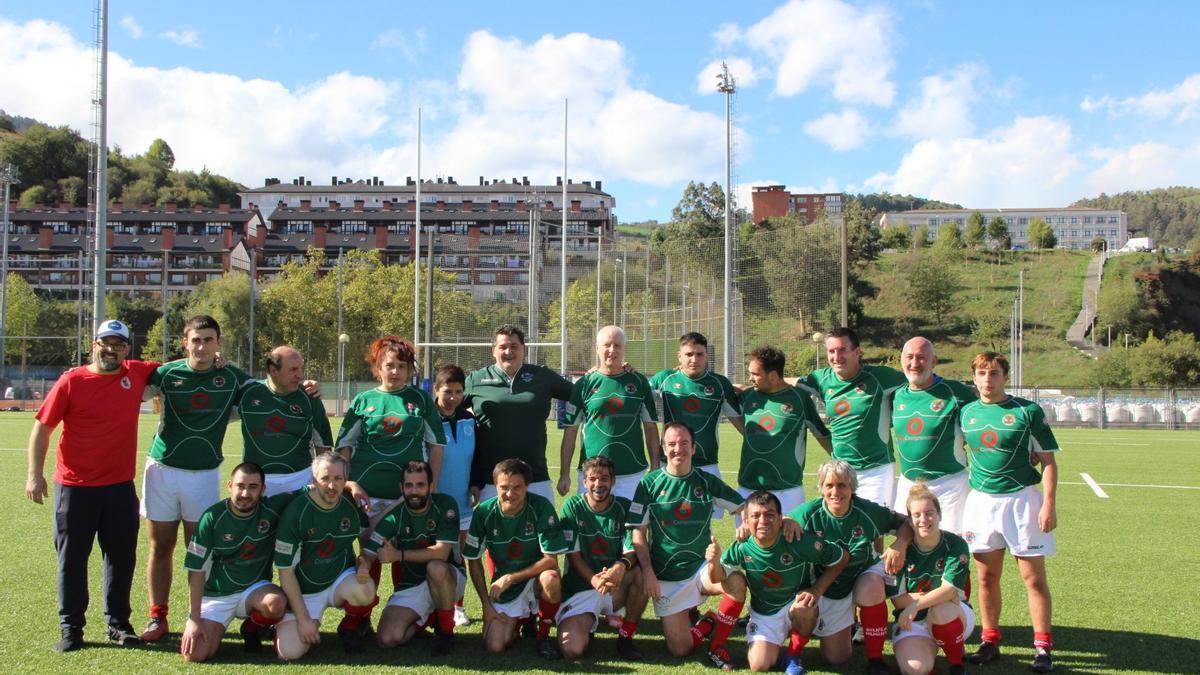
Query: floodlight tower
726	85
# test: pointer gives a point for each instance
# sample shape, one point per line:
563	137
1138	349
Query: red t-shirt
98	444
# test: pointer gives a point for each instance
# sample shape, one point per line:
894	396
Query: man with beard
511	402
314	551
229	567
95	463
418	536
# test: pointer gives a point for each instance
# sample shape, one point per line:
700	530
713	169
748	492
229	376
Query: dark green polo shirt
511	417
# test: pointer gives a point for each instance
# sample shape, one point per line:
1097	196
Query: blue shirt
456	458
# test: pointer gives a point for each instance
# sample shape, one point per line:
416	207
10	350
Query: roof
998	211
426	188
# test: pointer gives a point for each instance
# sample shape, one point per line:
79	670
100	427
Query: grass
1120	579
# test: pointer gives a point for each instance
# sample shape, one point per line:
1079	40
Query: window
298	227
351	227
1087	220
118	227
1112	233
521	278
214	228
1087	232
399	228
157	227
1113	220
1074	220
1023	220
933	222
487	278
462	278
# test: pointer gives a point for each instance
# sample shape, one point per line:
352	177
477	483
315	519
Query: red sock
459	602
1042	640
874	625
949	636
991	635
628	628
702	628
158	611
356	613
258	620
445	620
796	643
546	612
397	575
375	571
727	615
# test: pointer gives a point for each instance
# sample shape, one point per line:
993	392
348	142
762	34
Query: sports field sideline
1124	580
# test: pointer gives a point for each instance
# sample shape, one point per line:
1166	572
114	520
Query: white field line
1120	444
1134	485
1094	485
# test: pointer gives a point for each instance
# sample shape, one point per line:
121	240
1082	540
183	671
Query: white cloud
828	42
187	37
943	109
841	131
1143	166
1029	163
745	75
408	43
131	26
727	34
1182	101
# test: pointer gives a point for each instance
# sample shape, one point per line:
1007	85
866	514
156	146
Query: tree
21	316
45	154
989	330
949	237
1099	244
921	239
1041	235
997	232
896	238
161	152
973	234
800	266
701	210
1171	362
862	231
932	284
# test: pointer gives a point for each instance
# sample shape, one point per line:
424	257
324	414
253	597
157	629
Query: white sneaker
460	617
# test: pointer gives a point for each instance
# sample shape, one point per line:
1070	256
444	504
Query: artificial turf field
1124	581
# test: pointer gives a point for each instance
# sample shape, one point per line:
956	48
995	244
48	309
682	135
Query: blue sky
1020	105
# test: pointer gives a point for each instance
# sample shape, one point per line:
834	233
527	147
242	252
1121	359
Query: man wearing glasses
95	462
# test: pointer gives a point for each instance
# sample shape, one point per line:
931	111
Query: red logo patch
599	546
691	404
771	579
767	422
515	550
989	439
683	511
614	404
247	551
326	548
200	400
276	423
841	407
391	424
915	425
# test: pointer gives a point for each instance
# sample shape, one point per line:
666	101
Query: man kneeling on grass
598	579
521	535
418	534
782	578
314	551
229	567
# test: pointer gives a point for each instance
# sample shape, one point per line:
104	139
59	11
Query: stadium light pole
99	313
726	86
8	175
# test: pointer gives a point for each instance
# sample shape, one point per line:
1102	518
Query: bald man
281	424
929	441
616	410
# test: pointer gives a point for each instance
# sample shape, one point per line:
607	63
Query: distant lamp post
343	340
817	338
8	175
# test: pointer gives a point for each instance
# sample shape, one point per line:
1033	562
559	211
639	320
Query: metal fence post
1103	409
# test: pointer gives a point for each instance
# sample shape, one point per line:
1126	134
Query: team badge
841	407
614	404
829	392
218	381
820	533
125	383
858	531
345	524
431	524
708	390
631	388
295	408
1009	420
276	423
678	385
407	530
937	405
227	537
311	531
786	558
698	493
263	526
527	377
971	421
370	408
747	558
177	383
912	568
771	579
411	408
786	408
255	402
902	406
941	564
528	528
861	388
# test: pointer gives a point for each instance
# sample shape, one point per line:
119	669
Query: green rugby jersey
679	511
511	416
195	414
514	542
856	532
318	543
929	440
774	575
859	411
386	430
408	530
1002	439
612	409
233	551
700	403
947	563
599	536
279	431
776	437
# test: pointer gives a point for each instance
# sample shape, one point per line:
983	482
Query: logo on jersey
344	525
177	383
263	526
902	406
752	627
248	550
412	408
255	402
1009	420
708	390
631	388
912	568
551	520
125	383
528	529
614	404
515	550
683	511
391	424
691	404
227	537
767	422
941	565
294	408
218	381
370	408
786	408
989	439
527	377
698	493
196	549
599	546
915	425
962	559
678	385
276	423
818	545
786	558
937	405
326	548
771	579
841	407
199	400
858	531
